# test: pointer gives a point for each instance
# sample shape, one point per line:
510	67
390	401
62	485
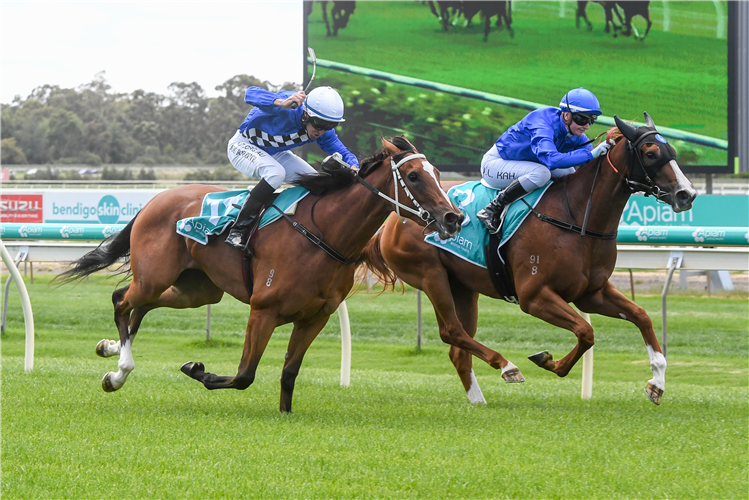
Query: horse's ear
409	143
390	147
648	120
626	129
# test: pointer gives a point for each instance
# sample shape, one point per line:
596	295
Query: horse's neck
349	218
609	195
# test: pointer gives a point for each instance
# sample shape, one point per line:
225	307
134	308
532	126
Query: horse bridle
397	177
648	187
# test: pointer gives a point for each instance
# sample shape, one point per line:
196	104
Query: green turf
403	429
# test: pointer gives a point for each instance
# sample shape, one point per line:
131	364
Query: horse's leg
550	307
260	327
436	285
122	309
191	290
301	337
466	307
610	302
324	5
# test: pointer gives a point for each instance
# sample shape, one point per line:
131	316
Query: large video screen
435	73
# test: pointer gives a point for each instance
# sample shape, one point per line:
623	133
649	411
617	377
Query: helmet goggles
321	124
583	119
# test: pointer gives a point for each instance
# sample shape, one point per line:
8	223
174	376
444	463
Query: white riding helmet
324	103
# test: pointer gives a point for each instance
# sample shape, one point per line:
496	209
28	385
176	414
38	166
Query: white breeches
499	173
253	161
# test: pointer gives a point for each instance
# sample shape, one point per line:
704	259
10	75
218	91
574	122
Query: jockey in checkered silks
261	147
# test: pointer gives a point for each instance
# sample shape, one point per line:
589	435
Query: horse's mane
334	176
614	134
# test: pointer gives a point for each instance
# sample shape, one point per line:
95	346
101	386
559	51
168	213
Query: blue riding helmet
580	101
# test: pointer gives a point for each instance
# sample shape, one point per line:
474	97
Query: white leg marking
509	366
109	347
474	393
658	366
125	365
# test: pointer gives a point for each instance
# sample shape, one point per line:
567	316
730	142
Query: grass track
404	427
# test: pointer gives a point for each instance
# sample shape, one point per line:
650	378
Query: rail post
28	315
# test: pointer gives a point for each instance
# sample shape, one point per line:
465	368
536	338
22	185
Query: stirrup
235	237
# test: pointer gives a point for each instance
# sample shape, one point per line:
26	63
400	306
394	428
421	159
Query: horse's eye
650	155
413	177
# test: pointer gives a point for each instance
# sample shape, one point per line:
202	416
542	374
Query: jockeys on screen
547	144
260	148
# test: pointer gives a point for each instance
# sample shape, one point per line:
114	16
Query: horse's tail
374	262
110	250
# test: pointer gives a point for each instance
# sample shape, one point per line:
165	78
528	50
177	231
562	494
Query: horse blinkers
651	161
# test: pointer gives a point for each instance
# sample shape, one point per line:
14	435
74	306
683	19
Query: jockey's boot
260	196
491	215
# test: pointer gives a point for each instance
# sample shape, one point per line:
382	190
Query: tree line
93	125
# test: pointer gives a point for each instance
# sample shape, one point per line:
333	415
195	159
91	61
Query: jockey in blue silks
547	144
260	148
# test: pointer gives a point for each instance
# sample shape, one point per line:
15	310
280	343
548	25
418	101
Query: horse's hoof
654	393
513	376
106	348
540	358
194	369
106	383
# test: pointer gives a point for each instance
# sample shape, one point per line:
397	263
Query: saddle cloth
218	212
473	238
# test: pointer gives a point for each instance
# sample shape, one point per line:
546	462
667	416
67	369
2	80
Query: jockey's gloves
600	149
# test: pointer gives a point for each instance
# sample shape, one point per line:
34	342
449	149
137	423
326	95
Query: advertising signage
432	71
69	206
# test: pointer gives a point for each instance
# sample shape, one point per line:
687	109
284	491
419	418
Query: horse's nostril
452	218
684	197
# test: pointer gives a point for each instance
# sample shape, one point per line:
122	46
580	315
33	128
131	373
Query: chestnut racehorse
550	266
295	281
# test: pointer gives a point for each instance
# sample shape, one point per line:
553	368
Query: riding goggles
321	124
582	119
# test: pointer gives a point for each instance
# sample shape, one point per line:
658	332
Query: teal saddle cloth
218	211
471	197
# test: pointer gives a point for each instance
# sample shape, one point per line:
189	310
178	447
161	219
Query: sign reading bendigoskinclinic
93	206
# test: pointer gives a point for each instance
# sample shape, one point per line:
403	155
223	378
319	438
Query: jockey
260	148
547	144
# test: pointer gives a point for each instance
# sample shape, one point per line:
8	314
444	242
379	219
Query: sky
147	44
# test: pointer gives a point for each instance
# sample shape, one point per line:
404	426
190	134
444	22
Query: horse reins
581	230
397	178
649	189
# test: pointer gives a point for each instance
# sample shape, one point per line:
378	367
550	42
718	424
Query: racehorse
296	282
630	8
487	10
568	260
608	7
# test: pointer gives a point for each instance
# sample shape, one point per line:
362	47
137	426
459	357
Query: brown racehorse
549	265
295	281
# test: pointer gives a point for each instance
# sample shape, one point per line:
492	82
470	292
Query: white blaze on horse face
682	183
474	393
429	168
658	366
